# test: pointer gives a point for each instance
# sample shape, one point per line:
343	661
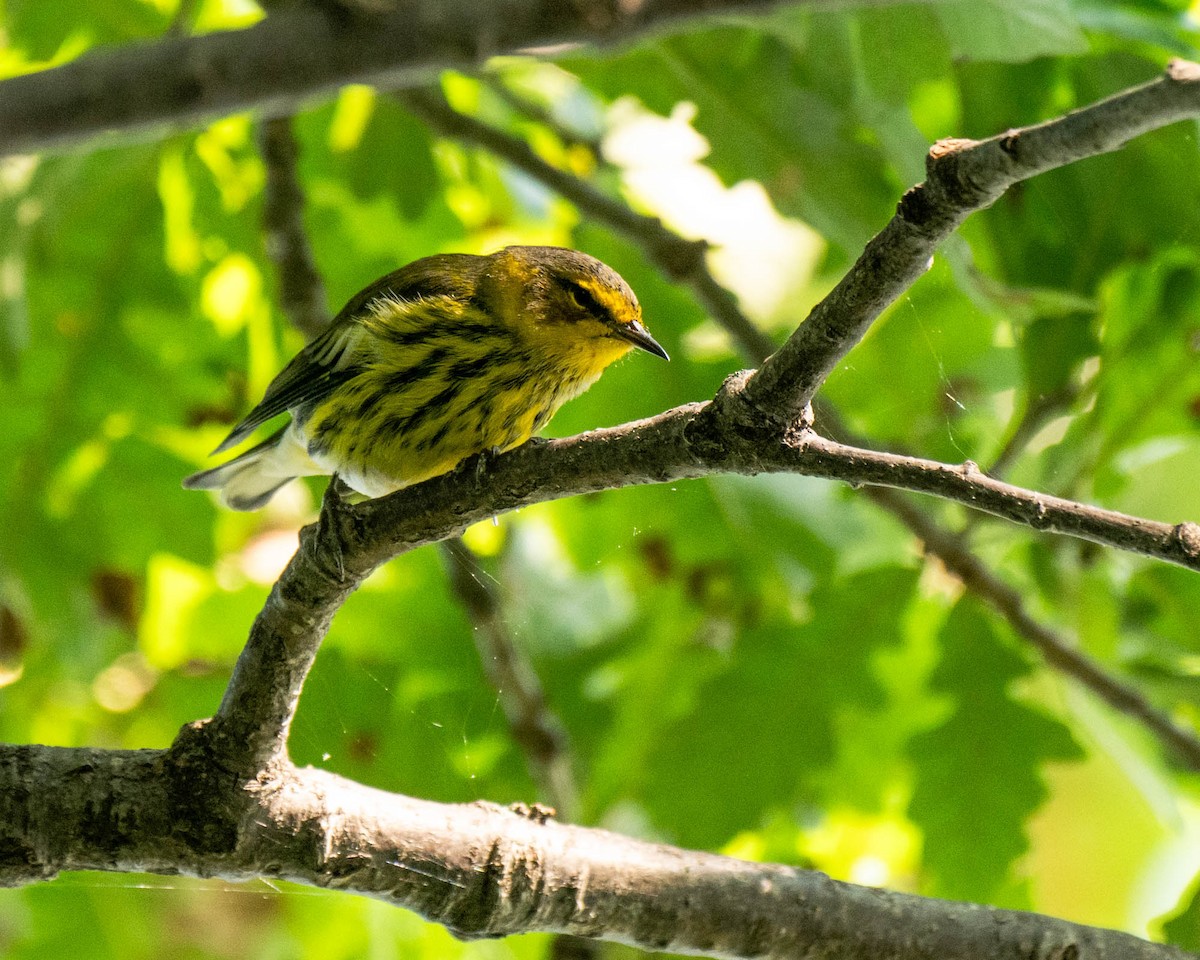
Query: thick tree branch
305	50
479	869
690	441
963	176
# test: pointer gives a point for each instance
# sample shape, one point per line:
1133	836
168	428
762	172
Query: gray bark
479	869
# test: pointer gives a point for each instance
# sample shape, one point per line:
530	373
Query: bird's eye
586	300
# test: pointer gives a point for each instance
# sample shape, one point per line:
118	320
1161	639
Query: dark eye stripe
586	299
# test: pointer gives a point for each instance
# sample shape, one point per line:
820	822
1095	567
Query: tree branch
479	869
965	483
963	176
349	541
303	51
668	250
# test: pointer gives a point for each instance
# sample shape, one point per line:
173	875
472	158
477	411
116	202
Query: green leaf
916	47
391	156
1160	605
937	400
978	772
761	727
75	25
1052	348
1182	926
1010	30
1163	26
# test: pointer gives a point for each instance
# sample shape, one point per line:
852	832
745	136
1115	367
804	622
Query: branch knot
1187	535
949	189
733	418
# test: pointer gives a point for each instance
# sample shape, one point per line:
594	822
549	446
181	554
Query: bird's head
566	302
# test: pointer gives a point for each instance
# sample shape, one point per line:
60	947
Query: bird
450	356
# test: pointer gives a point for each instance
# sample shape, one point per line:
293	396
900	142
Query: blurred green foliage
764	666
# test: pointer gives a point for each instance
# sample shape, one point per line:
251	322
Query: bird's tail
249	480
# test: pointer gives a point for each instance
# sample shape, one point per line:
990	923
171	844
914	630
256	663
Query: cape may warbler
450	356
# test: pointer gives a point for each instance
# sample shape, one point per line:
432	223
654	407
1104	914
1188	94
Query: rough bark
479	869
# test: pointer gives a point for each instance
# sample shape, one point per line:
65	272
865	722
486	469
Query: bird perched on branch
450	356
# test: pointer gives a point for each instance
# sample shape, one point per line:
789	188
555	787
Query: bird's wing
314	373
453	275
330	360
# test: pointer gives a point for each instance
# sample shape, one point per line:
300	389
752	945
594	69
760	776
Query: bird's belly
389	449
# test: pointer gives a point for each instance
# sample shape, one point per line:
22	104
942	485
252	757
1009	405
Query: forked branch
683	259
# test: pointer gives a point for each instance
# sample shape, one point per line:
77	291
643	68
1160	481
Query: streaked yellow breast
440	382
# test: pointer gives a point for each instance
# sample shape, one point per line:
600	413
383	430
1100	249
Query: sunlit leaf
978	771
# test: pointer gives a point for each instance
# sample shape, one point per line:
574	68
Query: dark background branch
301	292
537	730
303	51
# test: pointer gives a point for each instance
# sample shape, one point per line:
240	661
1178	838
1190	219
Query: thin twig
1038	412
535	727
301	292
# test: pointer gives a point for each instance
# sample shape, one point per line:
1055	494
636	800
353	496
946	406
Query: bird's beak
639	336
